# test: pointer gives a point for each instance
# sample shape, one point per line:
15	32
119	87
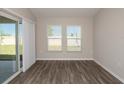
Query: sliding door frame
8	15
18	17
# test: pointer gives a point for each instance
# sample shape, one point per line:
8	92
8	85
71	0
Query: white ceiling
64	12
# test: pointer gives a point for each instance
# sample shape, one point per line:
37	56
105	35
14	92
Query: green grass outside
73	48
7	49
54	48
7	52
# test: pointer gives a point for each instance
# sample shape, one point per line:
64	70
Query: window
73	38
54	38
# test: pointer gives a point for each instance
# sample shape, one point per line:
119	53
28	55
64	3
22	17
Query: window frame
58	38
73	38
64	47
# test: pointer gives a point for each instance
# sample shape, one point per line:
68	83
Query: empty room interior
61	45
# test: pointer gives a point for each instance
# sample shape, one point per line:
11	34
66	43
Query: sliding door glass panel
8	48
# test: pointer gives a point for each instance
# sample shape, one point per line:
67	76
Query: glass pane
74	44
73	32
54	44
8	61
54	38
54	31
73	38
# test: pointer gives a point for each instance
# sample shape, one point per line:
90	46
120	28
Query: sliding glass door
8	48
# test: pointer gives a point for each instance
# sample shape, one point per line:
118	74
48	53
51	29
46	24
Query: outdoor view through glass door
8	48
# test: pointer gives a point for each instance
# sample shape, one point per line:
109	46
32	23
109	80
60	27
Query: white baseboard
64	59
115	75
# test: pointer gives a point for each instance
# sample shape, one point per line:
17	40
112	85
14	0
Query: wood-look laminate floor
65	72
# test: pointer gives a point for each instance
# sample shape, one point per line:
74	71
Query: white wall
28	44
109	40
87	38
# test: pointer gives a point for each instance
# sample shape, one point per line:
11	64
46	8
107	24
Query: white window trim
75	38
53	38
64	38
